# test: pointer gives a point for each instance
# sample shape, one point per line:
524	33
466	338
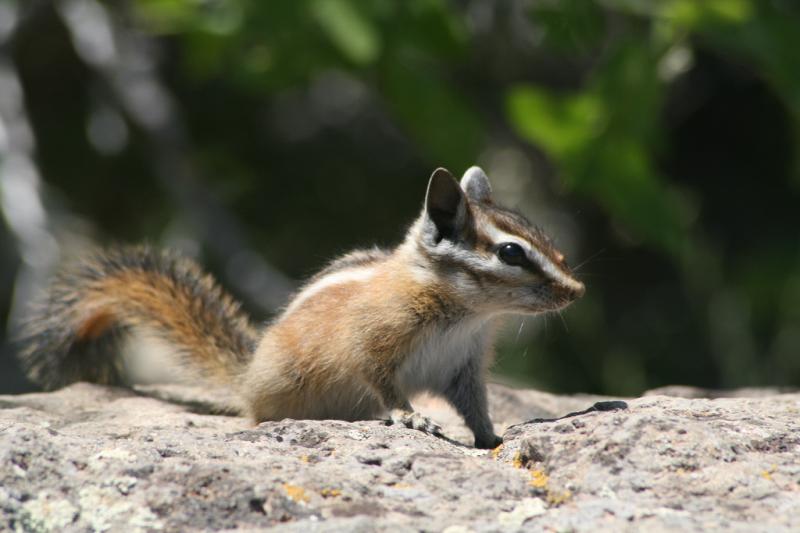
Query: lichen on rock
96	458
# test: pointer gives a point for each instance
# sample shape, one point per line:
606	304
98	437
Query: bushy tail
74	334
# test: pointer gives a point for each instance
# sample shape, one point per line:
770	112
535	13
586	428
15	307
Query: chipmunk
368	332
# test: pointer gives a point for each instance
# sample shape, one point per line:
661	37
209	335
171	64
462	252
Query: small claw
416	421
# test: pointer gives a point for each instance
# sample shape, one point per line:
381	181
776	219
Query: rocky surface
95	458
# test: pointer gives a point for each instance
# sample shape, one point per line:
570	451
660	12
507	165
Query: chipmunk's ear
445	205
476	184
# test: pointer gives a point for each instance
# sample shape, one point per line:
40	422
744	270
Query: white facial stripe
341	277
497	235
553	272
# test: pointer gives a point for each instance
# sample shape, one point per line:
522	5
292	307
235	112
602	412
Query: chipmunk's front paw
488	442
416	421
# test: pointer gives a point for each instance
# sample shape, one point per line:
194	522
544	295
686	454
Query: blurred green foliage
664	132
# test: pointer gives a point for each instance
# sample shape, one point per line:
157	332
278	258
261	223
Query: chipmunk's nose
574	289
568	289
578	290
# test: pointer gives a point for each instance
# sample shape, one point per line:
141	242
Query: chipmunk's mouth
550	297
570	290
559	304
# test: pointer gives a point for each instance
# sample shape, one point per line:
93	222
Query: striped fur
360	338
75	332
378	327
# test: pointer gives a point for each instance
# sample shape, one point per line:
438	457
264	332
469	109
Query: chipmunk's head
492	257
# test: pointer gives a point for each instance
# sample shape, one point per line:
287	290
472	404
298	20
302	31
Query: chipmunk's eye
512	253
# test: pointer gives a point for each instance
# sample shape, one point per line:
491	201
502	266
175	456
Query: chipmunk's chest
440	353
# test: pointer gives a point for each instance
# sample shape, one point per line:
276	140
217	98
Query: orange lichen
496	451
538	479
555	498
296	493
517	461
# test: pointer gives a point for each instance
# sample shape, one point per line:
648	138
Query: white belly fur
442	353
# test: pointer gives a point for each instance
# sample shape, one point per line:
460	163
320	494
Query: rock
103	459
683	391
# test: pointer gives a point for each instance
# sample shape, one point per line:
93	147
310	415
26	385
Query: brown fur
93	302
365	344
95	326
368	331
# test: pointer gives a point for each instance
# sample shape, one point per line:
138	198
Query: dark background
657	142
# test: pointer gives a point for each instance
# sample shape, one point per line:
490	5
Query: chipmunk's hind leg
400	411
411	419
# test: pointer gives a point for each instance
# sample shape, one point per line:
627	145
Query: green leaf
351	32
561	125
434	114
692	13
600	155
